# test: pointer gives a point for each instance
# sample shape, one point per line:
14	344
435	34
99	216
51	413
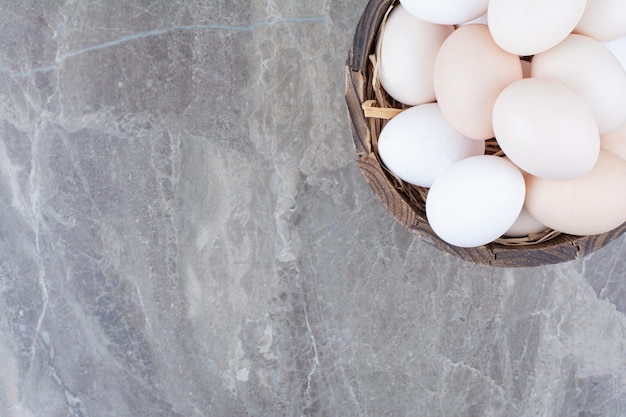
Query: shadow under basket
369	108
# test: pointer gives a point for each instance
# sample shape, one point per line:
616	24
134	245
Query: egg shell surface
482	20
407	51
603	20
525	68
525	225
470	72
546	129
418	144
618	49
589	69
532	26
446	12
590	205
475	201
615	141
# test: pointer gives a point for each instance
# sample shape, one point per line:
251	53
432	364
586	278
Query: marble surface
184	232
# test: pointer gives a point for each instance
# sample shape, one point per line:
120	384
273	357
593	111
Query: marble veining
184	232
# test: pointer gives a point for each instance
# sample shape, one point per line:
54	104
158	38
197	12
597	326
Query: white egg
419	144
408	49
603	20
529	27
590	70
446	12
475	201
546	129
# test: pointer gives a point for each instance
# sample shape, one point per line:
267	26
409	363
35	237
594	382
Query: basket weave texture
369	107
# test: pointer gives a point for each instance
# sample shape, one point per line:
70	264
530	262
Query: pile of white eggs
546	78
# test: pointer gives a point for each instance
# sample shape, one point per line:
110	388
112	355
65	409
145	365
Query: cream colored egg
603	20
419	144
615	141
589	69
475	201
590	205
530	27
470	71
446	12
408	48
546	129
525	225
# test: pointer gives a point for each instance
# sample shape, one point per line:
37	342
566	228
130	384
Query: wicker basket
369	108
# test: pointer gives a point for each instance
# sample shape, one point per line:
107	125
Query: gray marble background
184	232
